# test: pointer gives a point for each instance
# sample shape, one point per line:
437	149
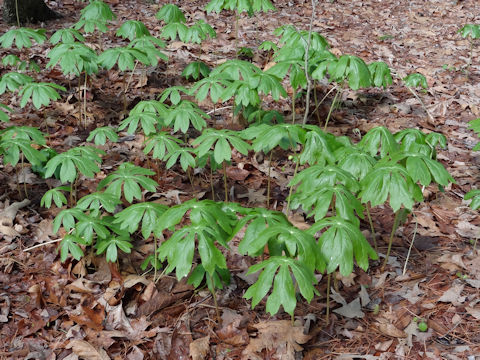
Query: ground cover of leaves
95	310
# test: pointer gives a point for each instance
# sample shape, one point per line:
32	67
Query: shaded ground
94	310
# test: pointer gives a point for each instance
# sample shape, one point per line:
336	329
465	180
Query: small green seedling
421	324
417	80
472	32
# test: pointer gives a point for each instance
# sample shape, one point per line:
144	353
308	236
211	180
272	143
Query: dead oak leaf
276	334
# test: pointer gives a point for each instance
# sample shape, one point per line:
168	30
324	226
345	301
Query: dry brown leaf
453	295
475	312
199	348
390	330
86	351
277	334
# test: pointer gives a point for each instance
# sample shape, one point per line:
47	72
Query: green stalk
24	182
211	183
214	295
414	93
269	180
327	320
225	180
316	103
291	188
331	109
125	89
236	34
372	228
16	13
85	102
470	57
390	241
294	95
155	259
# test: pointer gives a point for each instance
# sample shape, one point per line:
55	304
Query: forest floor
94	310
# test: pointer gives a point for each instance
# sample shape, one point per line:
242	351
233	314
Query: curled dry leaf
87	351
277	334
236	173
199	348
390	330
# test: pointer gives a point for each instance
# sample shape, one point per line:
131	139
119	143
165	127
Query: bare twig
42	244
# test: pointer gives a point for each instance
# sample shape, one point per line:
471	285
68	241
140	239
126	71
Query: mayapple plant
223	142
416	80
239	6
175	26
472	32
94	16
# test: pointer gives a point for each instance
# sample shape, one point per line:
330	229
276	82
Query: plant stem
211	183
327	320
294	95
225	180
411	245
24	180
85	102
16	13
291	188
316	103
414	93
269	179
331	109
321	102
236	34
214	295
307	51
470	58
154	259
372	228
127	86
390	240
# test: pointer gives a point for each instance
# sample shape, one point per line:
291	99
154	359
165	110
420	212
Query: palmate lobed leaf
415	80
22	37
101	134
380	72
378	140
98	200
470	30
148	121
111	245
130	177
56	196
266	137
353	69
171	13
184	114
69	245
196	70
162	143
11	148
124	57
147	212
473	195
13	80
390	180
132	29
223	140
341	243
280	270
423	169
40	93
